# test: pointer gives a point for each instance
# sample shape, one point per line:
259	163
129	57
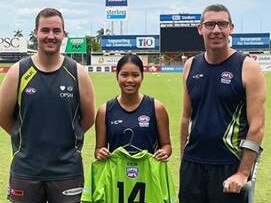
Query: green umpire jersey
125	178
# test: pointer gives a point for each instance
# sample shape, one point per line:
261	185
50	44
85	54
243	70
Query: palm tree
18	33
32	40
100	33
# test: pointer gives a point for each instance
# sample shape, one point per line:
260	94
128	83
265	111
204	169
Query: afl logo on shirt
226	77
143	121
30	90
132	171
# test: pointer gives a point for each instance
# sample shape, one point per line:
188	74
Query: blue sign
180	17
130	42
116	13
168	68
250	41
116	3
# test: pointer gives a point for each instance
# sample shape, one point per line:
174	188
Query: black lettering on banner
10	42
139	188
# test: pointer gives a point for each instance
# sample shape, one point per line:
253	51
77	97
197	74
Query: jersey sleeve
94	186
87	191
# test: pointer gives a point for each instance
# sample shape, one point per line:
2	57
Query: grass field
166	87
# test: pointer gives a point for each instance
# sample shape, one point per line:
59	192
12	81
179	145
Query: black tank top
218	120
47	138
138	127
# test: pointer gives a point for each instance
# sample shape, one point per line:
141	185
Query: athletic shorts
33	191
203	183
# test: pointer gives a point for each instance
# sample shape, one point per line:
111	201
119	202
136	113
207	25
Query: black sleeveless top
137	127
47	138
218	120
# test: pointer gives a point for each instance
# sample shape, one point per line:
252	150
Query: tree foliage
93	44
18	33
33	44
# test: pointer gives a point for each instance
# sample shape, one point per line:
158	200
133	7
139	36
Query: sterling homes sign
116	9
13	44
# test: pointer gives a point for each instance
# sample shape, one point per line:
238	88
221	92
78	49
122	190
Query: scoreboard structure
179	33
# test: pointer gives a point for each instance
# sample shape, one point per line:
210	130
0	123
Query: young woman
132	119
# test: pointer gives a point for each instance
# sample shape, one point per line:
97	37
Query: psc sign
145	42
10	42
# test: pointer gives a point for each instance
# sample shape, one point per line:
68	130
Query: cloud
87	16
27	11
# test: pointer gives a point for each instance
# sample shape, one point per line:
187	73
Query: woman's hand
102	153
161	155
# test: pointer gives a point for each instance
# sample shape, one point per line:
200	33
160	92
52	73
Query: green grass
167	88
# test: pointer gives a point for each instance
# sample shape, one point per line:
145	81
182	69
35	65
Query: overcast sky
85	17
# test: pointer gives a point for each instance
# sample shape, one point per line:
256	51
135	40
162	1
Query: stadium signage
169	68
116	9
13	44
149	68
4	67
97	69
180	17
250	41
103	60
186	24
145	42
130	42
116	3
73	45
116	13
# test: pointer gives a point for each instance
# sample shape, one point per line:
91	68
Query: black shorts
57	191
203	183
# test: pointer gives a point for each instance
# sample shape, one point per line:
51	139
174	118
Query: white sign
13	44
145	42
116	12
102	60
262	58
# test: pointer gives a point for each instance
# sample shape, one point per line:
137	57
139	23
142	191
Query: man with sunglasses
223	116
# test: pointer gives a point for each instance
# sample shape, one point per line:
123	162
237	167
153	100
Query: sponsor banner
4	67
130	42
266	67
112	60
116	3
13	44
169	68
146	68
262	58
74	45
116	13
180	17
250	41
181	24
152	68
99	69
103	60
